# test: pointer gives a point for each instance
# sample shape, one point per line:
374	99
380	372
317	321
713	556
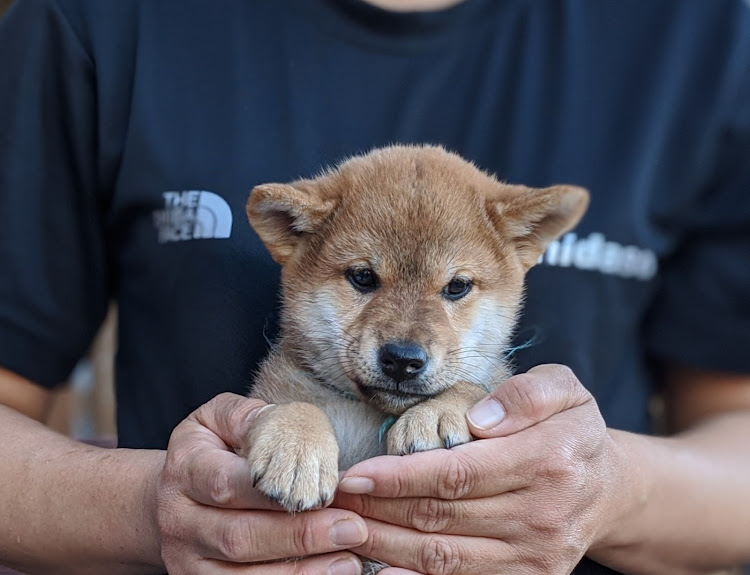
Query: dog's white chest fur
357	427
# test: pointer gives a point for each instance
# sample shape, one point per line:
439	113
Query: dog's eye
364	279
457	288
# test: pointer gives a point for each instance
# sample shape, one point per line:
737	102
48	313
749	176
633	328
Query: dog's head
403	269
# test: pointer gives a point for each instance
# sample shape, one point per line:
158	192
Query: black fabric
128	131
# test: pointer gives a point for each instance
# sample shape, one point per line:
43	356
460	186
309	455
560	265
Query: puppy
402	277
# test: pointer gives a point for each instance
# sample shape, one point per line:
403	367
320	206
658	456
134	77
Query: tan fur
418	217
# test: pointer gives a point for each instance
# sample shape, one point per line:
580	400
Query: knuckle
559	526
399	486
441	556
304	538
217	410
204	413
527	396
535	398
456	480
217	402
431	515
559	463
233	541
565	374
543	564
550	524
570	385
219	489
223	397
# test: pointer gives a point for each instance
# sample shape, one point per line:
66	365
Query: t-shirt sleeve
53	276
702	313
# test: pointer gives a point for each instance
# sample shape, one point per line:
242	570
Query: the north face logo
193	215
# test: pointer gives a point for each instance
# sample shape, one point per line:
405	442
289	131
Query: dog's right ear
281	214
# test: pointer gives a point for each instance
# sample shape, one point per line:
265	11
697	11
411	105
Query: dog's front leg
439	422
293	455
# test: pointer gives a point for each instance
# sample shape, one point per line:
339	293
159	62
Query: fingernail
357	485
486	414
348	532
345	567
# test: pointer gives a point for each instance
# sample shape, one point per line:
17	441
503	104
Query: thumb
525	400
229	416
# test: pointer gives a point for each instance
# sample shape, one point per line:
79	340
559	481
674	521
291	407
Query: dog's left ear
282	214
532	218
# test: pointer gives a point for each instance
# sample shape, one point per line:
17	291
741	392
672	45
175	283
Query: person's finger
221	479
431	553
330	564
484	517
525	400
239	537
229	416
207	439
476	469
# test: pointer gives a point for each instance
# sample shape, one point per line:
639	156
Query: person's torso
200	103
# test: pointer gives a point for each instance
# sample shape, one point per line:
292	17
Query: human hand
212	520
530	499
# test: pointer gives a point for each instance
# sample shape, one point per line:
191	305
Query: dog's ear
281	214
532	218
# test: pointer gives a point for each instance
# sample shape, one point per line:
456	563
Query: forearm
690	505
73	508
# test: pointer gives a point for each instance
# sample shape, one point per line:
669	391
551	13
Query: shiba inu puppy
402	277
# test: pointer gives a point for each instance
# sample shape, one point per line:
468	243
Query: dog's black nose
402	360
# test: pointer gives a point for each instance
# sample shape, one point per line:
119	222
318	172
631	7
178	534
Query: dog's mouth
390	400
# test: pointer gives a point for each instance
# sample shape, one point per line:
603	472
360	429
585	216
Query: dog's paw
432	424
293	456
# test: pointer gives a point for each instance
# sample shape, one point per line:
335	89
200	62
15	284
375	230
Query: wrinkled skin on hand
530	498
212	520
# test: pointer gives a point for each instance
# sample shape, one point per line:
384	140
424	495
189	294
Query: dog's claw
275	497
454	440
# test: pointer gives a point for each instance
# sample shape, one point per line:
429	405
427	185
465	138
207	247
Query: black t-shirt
131	134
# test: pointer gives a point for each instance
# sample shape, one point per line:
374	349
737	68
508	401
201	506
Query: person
130	135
